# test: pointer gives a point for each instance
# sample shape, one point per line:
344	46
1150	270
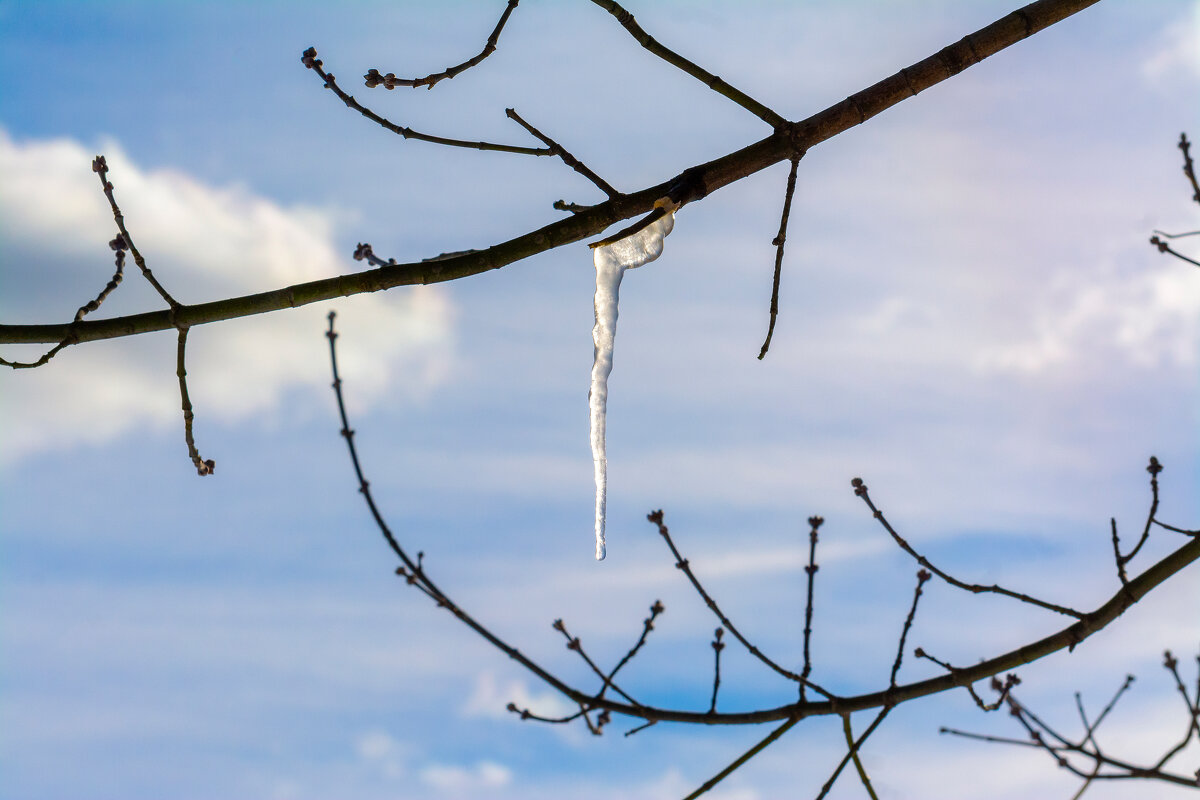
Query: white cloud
454	779
1177	52
202	242
1146	319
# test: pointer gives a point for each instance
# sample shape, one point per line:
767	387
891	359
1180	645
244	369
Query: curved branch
310	60
390	81
713	175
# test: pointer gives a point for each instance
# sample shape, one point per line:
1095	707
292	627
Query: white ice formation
611	262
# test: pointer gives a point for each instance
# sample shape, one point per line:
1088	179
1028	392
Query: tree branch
704	76
711	176
390	81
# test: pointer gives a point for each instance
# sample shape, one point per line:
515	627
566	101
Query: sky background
971	319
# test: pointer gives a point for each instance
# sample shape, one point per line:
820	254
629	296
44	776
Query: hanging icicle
612	258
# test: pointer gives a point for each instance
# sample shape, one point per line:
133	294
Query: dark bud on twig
99	164
816	522
309	58
118	244
919	652
373	78
1169	661
363	251
1154	467
717	644
860	488
558	625
923	575
1159	243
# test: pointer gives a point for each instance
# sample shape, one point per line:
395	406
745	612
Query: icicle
611	261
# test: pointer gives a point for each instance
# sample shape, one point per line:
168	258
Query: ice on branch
612	259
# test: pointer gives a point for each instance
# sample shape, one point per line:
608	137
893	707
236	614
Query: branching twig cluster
121	243
596	708
1083	757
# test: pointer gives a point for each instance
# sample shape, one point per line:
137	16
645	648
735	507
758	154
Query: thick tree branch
710	176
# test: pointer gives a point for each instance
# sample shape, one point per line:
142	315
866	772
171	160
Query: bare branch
922	577
717	646
713	175
743	758
310	60
778	241
202	467
573	643
1104	767
1189	168
853	750
100	167
860	489
858	765
681	563
647	626
390	81
118	246
674	59
814	524
568	159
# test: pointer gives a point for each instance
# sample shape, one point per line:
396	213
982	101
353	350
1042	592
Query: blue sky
971	320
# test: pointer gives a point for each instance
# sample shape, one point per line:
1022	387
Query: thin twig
853	750
203	467
717	646
390	81
681	563
922	577
1189	168
714	172
118	246
743	758
574	208
100	167
858	765
674	59
573	643
778	241
568	159
810	571
1163	247
860	489
1001	688
641	727
310	60
647	626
